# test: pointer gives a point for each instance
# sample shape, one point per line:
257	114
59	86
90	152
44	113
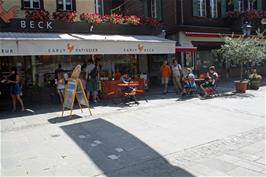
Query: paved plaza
222	136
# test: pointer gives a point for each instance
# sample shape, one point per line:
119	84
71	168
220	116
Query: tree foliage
243	50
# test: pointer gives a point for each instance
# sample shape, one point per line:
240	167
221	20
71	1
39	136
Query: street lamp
246	29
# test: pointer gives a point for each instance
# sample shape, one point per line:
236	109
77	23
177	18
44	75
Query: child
190	85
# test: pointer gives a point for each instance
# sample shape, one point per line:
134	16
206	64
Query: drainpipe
182	12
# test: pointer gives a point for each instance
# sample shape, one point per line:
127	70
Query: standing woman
61	86
15	88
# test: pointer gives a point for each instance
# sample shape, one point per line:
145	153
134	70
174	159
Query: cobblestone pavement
238	155
224	136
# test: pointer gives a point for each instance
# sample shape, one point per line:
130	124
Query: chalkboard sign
70	94
80	94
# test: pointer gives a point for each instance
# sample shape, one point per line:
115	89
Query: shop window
32	4
99	7
188	59
66	5
199	8
213	8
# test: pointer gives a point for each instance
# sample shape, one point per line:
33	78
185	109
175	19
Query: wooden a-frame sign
74	89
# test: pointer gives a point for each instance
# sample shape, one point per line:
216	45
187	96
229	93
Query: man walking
165	72
91	77
177	76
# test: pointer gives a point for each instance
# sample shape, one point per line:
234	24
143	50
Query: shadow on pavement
64	119
117	153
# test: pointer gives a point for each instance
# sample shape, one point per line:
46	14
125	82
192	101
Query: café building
36	49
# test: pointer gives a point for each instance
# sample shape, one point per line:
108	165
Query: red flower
65	16
91	18
37	15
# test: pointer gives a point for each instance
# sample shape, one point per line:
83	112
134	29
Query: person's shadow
117	153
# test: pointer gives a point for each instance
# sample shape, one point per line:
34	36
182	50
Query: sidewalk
223	136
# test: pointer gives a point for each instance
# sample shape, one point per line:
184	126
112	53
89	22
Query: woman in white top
177	76
61	86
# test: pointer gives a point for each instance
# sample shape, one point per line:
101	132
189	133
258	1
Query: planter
254	85
241	86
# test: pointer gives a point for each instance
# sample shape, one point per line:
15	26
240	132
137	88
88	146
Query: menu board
70	94
80	94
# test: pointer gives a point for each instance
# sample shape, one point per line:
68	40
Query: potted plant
254	80
242	51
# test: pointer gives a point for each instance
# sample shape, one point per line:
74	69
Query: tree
243	50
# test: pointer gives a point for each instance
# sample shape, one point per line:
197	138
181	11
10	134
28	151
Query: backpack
94	73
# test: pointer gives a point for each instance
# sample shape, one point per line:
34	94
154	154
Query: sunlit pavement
222	136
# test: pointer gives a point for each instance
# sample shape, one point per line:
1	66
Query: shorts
207	84
15	90
165	80
92	85
190	86
61	91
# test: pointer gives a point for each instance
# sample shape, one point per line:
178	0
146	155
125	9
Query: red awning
186	49
213	35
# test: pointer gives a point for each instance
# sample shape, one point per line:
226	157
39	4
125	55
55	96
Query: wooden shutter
236	5
145	4
195	8
223	8
74	5
159	9
259	4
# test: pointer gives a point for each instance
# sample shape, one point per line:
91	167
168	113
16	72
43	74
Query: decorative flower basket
37	15
91	18
65	16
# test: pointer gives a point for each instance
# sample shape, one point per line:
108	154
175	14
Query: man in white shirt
177	76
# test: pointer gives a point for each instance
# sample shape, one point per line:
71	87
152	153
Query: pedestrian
91	77
15	89
165	73
83	81
190	84
58	70
177	76
210	82
60	86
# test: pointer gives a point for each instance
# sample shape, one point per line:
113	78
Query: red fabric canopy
186	49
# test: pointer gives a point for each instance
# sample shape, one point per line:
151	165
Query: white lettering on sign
40	25
36	25
49	25
22	24
32	24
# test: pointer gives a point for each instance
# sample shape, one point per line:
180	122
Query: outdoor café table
198	82
130	84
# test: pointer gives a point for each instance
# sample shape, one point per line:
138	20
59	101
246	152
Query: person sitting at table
189	83
211	78
128	89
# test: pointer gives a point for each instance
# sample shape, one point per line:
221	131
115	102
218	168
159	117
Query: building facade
198	26
38	43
